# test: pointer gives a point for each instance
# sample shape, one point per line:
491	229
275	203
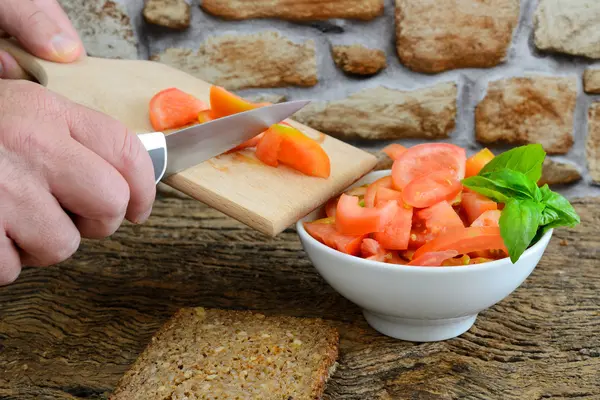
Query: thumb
37	32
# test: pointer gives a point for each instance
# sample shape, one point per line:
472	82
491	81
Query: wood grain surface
71	331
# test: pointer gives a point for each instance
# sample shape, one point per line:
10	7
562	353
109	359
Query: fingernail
63	45
144	216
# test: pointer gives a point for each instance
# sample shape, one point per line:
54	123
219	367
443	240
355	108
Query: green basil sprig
529	210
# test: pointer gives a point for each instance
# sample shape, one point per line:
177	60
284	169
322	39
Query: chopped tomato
475	204
205	116
352	219
302	153
324	231
480	260
439	217
385	182
330	206
396	234
394	258
372	250
224	103
453	262
394	150
172	108
268	147
423	159
248	143
465	240
432	188
476	162
488	218
434	258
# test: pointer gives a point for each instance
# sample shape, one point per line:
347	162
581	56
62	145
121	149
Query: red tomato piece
434	258
372	250
224	103
267	149
302	153
423	159
476	162
352	219
248	143
432	188
475	204
385	182
324	231
394	150
439	217
488	218
172	108
396	234
465	240
330	206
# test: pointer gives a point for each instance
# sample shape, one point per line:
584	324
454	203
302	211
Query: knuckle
128	150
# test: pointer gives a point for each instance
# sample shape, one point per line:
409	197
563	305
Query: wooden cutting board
265	198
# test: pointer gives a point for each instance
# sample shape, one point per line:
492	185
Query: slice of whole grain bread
223	354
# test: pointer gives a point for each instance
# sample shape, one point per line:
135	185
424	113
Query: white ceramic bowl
420	304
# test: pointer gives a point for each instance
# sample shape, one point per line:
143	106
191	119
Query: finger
10	262
39	227
37	32
87	186
122	149
56	13
10	69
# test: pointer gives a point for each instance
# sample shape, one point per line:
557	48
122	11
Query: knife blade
190	146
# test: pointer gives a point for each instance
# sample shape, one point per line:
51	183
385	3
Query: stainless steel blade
198	143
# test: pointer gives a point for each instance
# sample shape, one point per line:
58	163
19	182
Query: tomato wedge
394	150
372	250
396	234
423	159
224	103
205	116
476	162
267	149
248	143
488	218
439	217
475	204
465	240
385	182
352	219
172	108
432	188
324	231
433	259
302	153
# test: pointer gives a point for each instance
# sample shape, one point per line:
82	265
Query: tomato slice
331	206
172	108
423	159
434	258
396	234
439	217
385	182
372	250
302	153
476	162
267	149
475	204
465	240
324	231
224	103
205	116
488	218
394	150
453	262
432	188
352	219
248	143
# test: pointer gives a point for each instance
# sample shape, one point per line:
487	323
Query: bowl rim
542	242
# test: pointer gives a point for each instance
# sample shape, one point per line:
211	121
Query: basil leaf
487	188
557	204
519	223
516	182
526	159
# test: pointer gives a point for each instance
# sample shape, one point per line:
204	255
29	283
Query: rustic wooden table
70	332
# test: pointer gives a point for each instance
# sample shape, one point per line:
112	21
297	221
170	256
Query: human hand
66	172
42	28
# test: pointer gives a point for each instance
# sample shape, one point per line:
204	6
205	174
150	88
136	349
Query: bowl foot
419	330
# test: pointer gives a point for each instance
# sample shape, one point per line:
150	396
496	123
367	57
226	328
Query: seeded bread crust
224	354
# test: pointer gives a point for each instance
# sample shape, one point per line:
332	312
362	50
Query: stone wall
493	73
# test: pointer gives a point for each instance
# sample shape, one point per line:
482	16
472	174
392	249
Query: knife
191	146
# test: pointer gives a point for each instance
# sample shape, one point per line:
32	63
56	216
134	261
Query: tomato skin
324	231
172	108
352	219
371	193
476	162
432	188
396	234
423	159
488	218
465	240
433	259
475	204
394	150
267	150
